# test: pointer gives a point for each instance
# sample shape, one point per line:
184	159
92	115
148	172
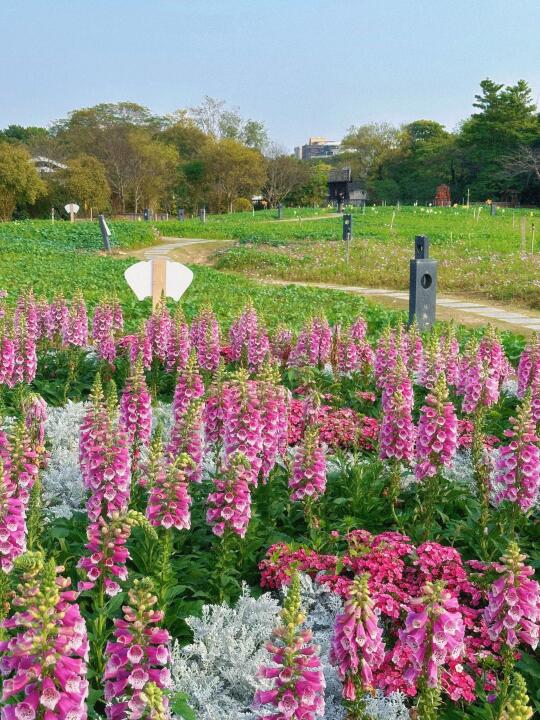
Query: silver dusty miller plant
218	670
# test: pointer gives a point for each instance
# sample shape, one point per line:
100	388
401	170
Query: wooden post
392	220
159	270
533	233
523	230
72	216
52	214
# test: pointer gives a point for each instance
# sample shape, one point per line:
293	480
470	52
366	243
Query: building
343	190
45	165
318	147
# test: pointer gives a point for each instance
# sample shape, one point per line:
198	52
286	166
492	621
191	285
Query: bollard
181	214
146	214
493	208
423	285
202	214
105	233
280	209
347	235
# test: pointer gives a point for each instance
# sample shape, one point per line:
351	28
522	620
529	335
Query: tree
315	190
24	135
216	120
283	175
152	171
19	180
233	171
506	121
371	146
85	182
188	139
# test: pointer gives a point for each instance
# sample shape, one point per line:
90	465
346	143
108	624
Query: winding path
463	310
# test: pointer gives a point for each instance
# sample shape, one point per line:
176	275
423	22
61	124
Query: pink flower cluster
248	340
230	503
308	477
357	646
107	322
517	472
204	336
137	656
12	519
298	683
135	417
43	661
397	431
436	441
313	346
169	501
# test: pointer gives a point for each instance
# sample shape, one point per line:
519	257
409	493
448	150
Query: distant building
45	165
318	147
343	190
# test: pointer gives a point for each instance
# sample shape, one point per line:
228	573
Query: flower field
259	512
479	255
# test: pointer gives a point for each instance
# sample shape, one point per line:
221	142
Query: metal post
347	235
423	285
105	233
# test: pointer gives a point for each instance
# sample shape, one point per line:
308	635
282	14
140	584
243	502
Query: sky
304	67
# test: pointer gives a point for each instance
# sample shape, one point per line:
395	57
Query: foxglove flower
169	501
159	328
44	661
528	367
187	437
297	678
213	408
7	359
397	431
137	657
357	646
204	336
281	344
12	520
189	386
135	420
433	635
517	471
478	384
242	421
308	477
432	362
512	615
179	343
436	441
230	503
107	547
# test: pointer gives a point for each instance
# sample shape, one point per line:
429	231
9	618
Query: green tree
284	174
507	119
370	146
232	170
315	190
25	135
85	182
19	180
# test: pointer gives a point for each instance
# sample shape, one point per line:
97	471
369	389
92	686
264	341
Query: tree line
120	157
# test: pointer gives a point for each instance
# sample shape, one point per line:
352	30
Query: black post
146	214
105	233
280	212
181	214
423	285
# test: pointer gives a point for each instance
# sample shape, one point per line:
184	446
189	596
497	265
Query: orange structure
442	196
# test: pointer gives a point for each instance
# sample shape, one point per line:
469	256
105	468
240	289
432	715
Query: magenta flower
108	474
528	367
248	340
313	346
357	646
433	635
449	348
204	337
135	418
296	674
77	334
213	409
491	351
432	363
308	477
7	359
513	612
35	418
159	329
242	421
137	657
189	386
436	441
107	538
274	399
107	322
478	383
517	471
391	346
230	503
187	437
397	432
281	345
12	520
179	343
44	660
169	501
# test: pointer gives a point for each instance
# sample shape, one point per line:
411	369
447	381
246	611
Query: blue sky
305	67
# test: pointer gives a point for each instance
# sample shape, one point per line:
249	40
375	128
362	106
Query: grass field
479	255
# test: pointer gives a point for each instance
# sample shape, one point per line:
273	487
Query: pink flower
135	420
397	431
187	436
12	520
43	661
436	441
357	647
308	477
274	403
513	612
137	657
189	386
478	382
517	472
528	367
204	337
230	504
179	343
313	346
107	551
296	675
159	328
169	501
243	429
433	635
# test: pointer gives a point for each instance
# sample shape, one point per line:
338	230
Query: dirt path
466	311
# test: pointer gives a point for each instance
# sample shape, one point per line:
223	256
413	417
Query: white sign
71	208
141	278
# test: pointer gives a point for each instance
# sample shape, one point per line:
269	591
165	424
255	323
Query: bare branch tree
523	161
